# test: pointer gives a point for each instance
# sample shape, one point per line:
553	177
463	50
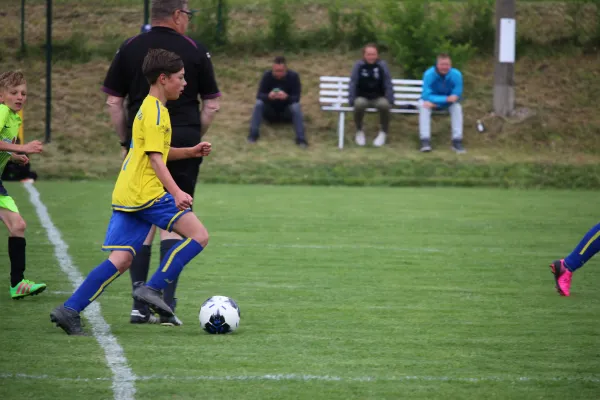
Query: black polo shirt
125	78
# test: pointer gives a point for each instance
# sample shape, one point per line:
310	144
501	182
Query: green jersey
10	122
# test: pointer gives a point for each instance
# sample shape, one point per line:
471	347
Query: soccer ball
219	314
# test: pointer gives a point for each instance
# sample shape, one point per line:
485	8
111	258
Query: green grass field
345	293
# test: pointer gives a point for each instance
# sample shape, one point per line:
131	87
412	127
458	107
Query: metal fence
84	29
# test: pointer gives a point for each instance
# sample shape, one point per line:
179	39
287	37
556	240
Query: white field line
330	247
382	248
322	378
123	379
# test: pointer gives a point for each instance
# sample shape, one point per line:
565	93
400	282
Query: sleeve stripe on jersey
131	39
210	96
158	116
111	92
189	39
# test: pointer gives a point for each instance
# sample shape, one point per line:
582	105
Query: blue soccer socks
93	286
173	262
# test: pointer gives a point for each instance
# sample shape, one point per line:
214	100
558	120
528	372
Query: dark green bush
415	32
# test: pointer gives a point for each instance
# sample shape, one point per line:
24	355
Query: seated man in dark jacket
278	100
371	87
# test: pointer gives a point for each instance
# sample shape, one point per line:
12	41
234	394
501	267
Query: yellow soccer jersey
137	185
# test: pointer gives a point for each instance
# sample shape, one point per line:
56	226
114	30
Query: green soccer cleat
26	288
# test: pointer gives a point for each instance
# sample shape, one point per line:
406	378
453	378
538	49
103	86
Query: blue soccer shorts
128	230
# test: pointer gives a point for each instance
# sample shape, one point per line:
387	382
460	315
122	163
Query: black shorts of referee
185	172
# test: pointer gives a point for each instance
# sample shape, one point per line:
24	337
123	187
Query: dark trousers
291	113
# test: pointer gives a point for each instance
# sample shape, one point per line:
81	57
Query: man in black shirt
371	87
170	20
278	100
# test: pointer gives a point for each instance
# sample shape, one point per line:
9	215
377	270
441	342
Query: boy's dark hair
160	61
11	79
443	56
279	60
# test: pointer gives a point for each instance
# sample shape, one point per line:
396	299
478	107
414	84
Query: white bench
333	96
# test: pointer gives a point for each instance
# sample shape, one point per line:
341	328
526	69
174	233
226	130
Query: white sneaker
380	139
360	138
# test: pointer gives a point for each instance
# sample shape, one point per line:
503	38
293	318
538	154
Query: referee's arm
116	86
208	91
116	110
209	110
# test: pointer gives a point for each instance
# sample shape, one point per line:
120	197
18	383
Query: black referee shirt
125	78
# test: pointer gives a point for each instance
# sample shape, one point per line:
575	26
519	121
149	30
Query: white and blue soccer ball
219	315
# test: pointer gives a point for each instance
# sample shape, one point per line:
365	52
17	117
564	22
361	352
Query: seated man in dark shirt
278	100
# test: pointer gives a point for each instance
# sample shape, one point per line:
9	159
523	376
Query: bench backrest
333	92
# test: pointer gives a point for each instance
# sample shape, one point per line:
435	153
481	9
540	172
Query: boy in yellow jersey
13	94
139	200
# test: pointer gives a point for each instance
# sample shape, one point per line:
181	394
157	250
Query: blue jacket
437	87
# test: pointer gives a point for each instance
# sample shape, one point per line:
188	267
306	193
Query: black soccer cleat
137	317
67	319
170	321
153	299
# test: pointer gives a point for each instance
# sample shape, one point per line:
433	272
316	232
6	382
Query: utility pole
504	53
146	12
48	69
22	27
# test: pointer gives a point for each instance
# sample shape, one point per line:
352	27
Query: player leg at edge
19	286
563	269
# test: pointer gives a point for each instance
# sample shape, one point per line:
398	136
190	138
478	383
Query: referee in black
170	20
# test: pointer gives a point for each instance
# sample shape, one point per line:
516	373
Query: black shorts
185	172
3	191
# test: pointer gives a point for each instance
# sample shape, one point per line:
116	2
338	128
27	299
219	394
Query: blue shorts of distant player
128	230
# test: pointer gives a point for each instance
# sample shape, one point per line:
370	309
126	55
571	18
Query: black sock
139	272
16	253
169	292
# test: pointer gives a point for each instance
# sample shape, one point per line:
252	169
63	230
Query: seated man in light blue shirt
442	90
